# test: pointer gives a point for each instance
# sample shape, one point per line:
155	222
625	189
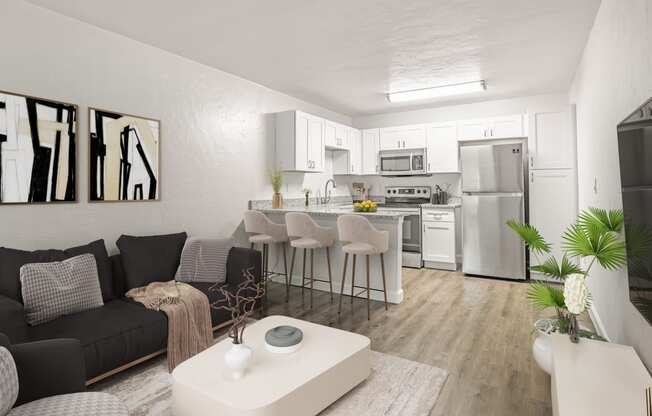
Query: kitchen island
326	215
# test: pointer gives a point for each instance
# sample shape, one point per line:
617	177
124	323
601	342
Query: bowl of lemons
365	206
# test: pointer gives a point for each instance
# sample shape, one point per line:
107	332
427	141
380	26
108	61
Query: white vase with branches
241	303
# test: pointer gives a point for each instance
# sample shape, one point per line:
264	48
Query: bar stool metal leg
265	271
330	277
303	275
382	267
287	276
312	273
346	259
368	290
353	278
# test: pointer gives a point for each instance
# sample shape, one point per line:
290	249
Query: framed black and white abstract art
37	150
124	157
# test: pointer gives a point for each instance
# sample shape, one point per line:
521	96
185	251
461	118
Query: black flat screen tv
635	154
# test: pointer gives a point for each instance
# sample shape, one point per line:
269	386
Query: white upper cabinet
335	135
491	128
472	129
442	148
299	142
551	142
316	151
355	150
505	127
370	148
349	162
403	137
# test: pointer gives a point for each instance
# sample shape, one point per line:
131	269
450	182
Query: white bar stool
266	232
365	240
309	236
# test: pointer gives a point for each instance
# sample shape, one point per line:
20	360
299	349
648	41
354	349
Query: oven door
412	233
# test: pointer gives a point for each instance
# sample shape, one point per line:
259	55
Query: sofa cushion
8	381
11	260
98	249
74	404
150	259
51	290
116	334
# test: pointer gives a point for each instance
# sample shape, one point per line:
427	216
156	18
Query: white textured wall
613	78
216	142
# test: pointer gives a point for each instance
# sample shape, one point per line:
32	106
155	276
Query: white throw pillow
51	290
8	381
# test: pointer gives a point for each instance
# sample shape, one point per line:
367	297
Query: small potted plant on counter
276	180
596	237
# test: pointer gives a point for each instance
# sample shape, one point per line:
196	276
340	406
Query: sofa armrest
48	368
239	260
13	323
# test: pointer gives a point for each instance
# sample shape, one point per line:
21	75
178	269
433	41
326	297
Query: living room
157	157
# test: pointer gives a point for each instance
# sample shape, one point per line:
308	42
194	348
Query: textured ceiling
344	54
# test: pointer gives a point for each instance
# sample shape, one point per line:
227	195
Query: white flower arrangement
576	294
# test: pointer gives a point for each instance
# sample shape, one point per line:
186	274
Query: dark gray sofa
122	331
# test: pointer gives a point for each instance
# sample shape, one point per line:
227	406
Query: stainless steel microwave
402	162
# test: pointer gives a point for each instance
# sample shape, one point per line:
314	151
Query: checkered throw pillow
8	381
51	290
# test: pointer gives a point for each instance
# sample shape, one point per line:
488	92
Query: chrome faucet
327	195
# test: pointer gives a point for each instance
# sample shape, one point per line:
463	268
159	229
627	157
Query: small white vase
237	360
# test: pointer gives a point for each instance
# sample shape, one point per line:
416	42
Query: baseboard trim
597	322
141	360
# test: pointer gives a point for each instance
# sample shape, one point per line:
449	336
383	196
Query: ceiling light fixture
434	92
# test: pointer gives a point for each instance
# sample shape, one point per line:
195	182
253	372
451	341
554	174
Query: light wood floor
480	330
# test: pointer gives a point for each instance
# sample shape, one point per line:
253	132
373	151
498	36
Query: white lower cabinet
438	242
553	207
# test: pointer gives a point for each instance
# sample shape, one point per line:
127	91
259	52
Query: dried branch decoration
241	302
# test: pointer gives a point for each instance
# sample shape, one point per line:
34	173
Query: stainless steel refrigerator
493	192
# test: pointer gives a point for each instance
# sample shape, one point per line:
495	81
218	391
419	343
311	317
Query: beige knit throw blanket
189	317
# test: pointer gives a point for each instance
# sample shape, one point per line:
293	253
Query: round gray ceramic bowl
283	339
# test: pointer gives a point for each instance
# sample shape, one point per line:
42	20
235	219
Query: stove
408	199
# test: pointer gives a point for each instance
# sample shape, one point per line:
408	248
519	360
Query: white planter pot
542	352
237	360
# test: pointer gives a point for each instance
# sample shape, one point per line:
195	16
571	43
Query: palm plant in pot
595	238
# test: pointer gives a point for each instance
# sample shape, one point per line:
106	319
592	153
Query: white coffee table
329	363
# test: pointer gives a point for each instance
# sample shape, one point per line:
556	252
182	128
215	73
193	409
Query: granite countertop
334	210
445	206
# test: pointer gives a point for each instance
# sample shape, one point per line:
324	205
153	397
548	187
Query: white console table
596	378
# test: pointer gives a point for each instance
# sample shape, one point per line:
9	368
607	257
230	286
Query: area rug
396	387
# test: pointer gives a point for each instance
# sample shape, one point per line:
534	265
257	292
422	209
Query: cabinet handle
531	161
532	177
428	166
437	228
